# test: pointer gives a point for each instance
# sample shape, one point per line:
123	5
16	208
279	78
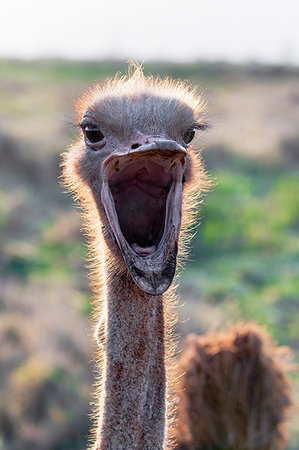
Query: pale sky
186	30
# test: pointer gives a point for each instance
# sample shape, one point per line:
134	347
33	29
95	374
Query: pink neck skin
133	408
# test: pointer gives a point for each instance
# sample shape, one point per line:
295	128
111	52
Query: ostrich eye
188	136
93	134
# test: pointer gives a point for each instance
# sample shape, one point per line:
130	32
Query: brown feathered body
233	391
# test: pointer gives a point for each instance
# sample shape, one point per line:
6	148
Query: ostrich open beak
142	197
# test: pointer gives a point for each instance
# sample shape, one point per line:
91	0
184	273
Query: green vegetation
243	263
73	71
246	248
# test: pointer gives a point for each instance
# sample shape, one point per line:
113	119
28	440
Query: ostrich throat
134	404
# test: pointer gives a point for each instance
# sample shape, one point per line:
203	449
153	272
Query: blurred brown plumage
233	391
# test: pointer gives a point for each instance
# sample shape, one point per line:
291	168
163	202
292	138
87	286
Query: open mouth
142	196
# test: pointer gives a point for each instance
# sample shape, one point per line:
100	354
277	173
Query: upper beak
162	145
165	147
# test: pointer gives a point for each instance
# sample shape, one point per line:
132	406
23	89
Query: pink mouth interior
140	192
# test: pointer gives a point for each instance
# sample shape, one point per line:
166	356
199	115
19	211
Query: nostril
133	146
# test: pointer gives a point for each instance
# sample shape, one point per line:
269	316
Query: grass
246	249
244	259
61	71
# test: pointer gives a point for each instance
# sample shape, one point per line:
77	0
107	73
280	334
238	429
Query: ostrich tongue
143	251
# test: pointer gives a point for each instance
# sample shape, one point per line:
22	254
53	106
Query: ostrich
132	170
135	173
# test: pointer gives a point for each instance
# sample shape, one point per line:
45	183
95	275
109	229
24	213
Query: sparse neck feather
133	409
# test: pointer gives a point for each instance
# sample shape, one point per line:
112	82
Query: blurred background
244	259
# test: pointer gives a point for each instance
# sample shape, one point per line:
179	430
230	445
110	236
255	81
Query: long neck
132	413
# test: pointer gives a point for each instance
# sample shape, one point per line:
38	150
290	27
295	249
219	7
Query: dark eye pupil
93	134
189	135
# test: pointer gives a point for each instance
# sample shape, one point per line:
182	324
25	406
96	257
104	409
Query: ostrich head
135	158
